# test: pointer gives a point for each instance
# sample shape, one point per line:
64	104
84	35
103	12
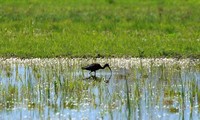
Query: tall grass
99	28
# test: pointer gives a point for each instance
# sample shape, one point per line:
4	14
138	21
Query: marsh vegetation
99	28
137	89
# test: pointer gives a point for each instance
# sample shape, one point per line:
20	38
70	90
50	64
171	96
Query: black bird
96	66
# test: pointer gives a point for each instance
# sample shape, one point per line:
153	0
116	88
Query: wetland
137	89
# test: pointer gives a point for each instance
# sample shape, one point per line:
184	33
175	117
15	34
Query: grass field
100	28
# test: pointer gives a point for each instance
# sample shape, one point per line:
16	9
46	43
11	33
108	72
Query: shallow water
138	89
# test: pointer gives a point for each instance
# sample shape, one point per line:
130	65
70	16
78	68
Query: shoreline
114	62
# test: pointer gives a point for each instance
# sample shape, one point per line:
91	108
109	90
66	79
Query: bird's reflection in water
99	79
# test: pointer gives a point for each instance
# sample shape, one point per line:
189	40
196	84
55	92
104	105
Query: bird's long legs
94	73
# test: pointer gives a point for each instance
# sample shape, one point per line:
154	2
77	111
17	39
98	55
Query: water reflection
59	89
97	78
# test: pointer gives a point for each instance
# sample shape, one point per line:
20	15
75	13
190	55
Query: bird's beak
110	69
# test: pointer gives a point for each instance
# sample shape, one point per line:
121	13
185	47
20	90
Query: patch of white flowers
114	62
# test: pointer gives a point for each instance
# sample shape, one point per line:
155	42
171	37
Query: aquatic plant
139	88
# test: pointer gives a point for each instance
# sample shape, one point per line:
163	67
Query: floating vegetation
137	89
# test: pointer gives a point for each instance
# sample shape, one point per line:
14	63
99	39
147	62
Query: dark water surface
137	89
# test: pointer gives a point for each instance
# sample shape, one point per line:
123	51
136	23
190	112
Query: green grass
99	28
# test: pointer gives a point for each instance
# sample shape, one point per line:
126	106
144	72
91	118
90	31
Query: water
137	89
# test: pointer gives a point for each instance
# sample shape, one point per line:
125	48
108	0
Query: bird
95	66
